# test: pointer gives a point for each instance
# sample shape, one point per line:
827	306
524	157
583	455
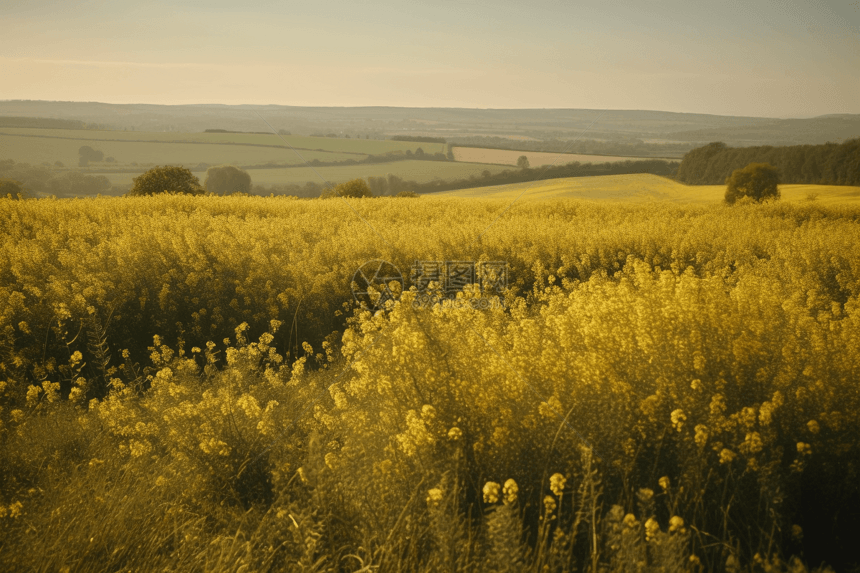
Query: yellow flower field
186	384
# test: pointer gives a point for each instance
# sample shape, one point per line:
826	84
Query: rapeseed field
187	384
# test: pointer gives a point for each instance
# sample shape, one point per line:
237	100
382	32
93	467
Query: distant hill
432	122
628	127
816	130
44	123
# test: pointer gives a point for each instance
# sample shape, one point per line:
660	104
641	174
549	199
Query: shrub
167	179
757	181
11	189
356	188
227	180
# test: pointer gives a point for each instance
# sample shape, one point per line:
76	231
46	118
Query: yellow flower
33	395
549	504
726	456
434	497
796	532
813	426
52	390
765	413
15	509
556	483
428	412
664	483
652	528
551	408
804	449
17	415
455	433
491	492
676	525
510	491
331	461
630	521
678	418
701	435
752	444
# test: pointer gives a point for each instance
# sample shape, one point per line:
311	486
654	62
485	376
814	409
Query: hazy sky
752	57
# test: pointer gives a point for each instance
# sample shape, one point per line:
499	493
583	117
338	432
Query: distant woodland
828	164
46	123
630	147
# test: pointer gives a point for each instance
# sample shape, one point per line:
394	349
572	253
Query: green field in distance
37	146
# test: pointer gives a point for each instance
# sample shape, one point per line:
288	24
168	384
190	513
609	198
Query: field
420	171
37	150
536	158
186	384
645	188
131	150
330	144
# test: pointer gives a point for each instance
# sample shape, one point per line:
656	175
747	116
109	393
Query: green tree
75	184
356	188
88	154
167	179
11	189
523	162
227	180
758	181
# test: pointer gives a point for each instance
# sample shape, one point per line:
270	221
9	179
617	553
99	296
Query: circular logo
375	283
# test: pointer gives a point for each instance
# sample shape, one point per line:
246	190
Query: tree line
827	164
633	148
418	139
37	179
46	123
574	169
227	180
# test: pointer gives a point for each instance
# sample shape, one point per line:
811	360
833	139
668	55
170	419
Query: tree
167	179
75	184
88	154
523	162
356	188
227	180
758	181
378	185
11	189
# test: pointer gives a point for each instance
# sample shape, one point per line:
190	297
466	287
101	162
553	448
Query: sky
765	58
